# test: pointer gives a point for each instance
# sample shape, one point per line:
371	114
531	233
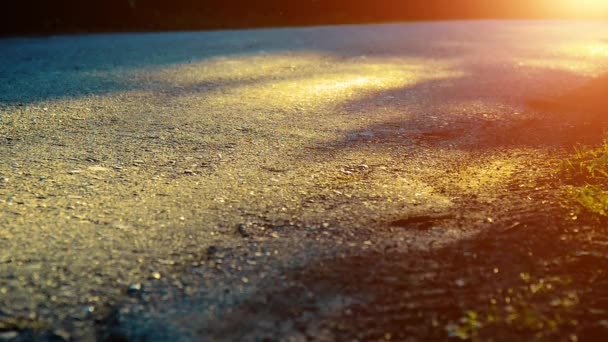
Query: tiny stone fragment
89	310
134	288
460	282
439	230
242	229
98	168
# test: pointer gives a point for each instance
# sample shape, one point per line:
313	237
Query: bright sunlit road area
364	182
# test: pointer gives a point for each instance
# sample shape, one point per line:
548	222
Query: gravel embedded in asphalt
130	162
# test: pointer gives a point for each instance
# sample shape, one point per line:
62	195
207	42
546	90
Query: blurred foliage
145	15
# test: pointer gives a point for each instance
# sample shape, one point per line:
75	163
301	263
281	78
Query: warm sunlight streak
572	65
294	80
347	81
582	6
592	50
577	8
586	59
358	82
598	50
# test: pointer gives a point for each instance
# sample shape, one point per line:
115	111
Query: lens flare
579	8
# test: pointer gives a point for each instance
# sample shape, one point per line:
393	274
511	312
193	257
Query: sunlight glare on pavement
358	82
585	59
338	81
282	81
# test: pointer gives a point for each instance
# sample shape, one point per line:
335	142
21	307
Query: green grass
587	170
593	199
587	164
541	306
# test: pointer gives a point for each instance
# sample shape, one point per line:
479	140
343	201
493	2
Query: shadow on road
464	114
535	273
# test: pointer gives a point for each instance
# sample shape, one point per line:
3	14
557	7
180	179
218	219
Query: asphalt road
158	185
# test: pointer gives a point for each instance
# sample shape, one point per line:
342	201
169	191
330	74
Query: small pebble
155	275
98	168
242	229
134	288
438	230
211	250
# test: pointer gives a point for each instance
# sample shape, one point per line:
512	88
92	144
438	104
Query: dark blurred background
65	16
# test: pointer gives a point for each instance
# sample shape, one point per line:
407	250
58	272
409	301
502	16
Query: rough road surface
385	182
